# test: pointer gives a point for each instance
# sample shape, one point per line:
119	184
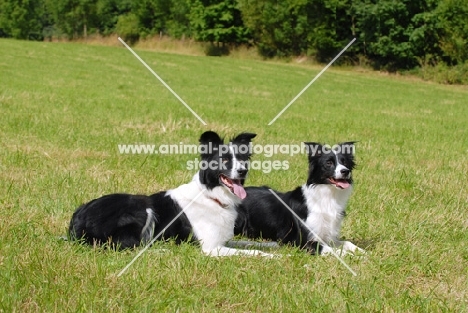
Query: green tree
23	19
108	13
128	27
167	17
279	28
331	25
178	26
218	22
299	27
396	34
74	18
152	15
453	29
424	38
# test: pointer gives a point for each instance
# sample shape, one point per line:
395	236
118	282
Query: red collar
219	203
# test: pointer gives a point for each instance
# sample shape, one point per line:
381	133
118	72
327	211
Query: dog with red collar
203	210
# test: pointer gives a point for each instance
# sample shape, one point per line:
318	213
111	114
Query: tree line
392	34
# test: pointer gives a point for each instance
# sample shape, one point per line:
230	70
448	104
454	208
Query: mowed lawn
65	108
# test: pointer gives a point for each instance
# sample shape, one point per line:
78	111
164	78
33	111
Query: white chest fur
326	205
212	223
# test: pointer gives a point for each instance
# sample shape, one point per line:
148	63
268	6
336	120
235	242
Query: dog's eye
225	160
329	162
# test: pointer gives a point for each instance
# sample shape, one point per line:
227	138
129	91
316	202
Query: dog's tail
147	232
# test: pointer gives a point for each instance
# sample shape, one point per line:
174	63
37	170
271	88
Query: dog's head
331	165
225	165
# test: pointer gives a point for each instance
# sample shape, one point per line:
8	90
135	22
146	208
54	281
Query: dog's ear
210	136
314	149
347	147
209	143
244	138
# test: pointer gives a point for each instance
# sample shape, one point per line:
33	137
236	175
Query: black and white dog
208	202
320	203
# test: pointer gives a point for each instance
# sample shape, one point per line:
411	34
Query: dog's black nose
345	172
242	172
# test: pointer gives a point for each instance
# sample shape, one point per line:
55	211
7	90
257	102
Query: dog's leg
341	248
349	246
326	250
346	247
225	251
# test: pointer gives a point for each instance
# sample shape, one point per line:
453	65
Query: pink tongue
343	184
239	190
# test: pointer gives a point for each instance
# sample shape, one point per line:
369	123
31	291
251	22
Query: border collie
208	202
320	203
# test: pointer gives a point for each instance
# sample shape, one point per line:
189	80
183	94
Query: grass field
66	107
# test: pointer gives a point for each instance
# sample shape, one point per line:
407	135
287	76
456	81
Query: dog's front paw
344	248
360	251
326	250
351	247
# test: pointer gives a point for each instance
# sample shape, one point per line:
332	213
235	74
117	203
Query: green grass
66	107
